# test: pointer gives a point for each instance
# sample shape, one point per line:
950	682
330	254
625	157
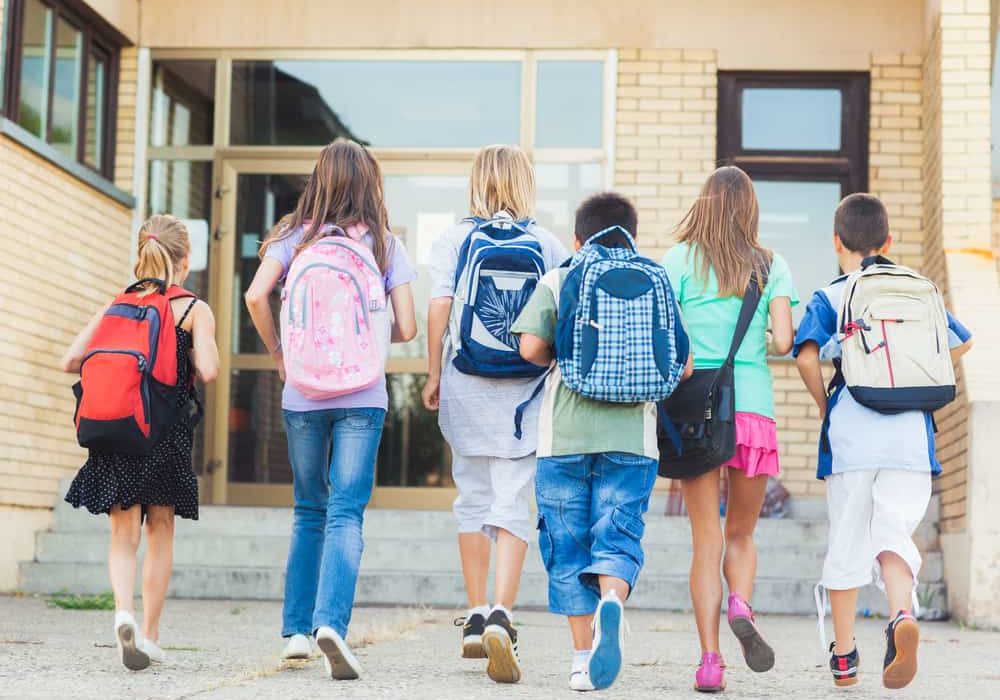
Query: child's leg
472	479
898	580
701	496
581	627
900	500
511	551
474	551
510	515
157	567
126	530
843	605
612	583
746	497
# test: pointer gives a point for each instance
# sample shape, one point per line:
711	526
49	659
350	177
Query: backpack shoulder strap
751	298
184	315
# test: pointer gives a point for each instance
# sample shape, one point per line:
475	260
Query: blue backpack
499	266
615	337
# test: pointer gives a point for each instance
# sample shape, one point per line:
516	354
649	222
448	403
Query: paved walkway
222	650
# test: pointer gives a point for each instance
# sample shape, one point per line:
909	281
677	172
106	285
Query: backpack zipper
476	265
143	370
298	278
139	312
888	355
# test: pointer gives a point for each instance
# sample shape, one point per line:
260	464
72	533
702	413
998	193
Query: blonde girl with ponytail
154	487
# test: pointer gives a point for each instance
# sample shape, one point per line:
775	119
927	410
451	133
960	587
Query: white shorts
494	493
872	511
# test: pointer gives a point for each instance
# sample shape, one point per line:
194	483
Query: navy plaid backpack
615	337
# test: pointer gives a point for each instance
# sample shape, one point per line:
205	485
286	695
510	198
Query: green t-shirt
711	321
569	424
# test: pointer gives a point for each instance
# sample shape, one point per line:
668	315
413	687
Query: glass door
247	436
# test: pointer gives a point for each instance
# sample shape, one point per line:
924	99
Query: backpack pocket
113	414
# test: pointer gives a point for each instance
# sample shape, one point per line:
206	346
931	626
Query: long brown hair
345	188
721	228
502	179
163	245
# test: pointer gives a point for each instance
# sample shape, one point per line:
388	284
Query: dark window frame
97	38
848	166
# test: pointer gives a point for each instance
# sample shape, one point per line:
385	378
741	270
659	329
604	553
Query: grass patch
66	601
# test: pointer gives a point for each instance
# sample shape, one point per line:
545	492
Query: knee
159	523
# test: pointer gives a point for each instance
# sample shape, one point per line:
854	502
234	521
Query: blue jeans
332	453
590	523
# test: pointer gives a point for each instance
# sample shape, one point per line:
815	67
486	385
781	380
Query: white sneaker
580	680
127	636
298	647
609	636
153	651
340	663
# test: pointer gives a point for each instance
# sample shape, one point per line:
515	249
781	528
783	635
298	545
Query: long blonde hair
163	245
721	227
345	188
502	180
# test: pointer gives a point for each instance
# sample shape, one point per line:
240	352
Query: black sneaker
500	643
902	637
844	668
472	635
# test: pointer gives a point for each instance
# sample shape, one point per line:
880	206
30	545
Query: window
60	80
803	138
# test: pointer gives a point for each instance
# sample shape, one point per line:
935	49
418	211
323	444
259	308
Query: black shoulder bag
697	426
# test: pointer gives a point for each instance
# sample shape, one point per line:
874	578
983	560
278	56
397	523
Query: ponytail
163	246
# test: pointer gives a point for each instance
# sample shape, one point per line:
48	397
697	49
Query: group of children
501	316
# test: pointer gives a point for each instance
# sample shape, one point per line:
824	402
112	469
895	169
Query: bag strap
608	231
751	298
161	285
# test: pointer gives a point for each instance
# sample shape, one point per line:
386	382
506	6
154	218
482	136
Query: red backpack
128	394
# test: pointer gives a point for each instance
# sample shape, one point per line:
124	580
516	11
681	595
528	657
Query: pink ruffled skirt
756	445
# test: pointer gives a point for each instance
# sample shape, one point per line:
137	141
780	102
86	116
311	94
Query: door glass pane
420	208
569	104
66	96
183	109
796	220
561	188
184	188
412	452
94	145
34	85
791	119
420	104
258	449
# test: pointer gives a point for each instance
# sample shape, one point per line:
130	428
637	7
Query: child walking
334	426
877	466
710	268
597	461
139	466
493	471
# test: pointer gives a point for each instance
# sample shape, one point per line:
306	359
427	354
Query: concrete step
804	560
772	595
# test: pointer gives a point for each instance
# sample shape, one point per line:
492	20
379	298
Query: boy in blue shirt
877	467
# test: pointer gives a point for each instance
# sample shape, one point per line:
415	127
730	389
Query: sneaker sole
758	654
341	668
503	666
472	647
133	658
903	668
606	659
710	688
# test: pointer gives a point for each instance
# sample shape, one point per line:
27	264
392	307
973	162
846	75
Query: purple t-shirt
398	272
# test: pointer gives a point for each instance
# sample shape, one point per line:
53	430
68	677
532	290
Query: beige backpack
893	332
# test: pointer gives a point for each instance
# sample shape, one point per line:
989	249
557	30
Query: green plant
925	596
68	601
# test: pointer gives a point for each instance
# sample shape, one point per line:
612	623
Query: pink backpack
334	318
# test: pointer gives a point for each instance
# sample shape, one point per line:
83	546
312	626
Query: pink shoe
710	676
758	654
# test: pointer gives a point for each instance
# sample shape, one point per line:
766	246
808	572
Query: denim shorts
590	524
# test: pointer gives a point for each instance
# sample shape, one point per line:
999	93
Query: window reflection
34	84
66	96
93	153
791	119
183	105
412	452
561	188
569	104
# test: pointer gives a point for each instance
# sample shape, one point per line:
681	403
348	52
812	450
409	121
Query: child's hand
431	394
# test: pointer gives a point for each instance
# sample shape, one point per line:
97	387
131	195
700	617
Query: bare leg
611	583
843	605
157	567
474	550
746	497
126	531
581	627
701	495
898	581
511	551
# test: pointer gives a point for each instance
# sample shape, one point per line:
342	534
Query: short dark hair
861	222
604	210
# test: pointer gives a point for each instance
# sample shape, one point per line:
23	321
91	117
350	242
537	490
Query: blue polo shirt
853	436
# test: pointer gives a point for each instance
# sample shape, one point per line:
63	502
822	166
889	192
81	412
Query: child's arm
73	357
204	353
404	323
437	323
688	367
536	350
957	352
812	373
782	333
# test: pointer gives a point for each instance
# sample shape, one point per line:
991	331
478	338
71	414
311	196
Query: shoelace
459	621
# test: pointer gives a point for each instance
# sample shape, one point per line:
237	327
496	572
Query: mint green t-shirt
711	321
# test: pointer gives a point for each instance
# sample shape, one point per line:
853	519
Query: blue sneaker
609	632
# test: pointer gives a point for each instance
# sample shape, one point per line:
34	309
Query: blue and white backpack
499	266
615	338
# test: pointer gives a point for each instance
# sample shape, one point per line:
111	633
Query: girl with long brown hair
332	443
716	257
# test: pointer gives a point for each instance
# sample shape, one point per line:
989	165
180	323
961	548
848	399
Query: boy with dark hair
597	464
877	466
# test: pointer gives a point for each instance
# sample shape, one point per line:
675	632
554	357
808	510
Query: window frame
849	165
96	39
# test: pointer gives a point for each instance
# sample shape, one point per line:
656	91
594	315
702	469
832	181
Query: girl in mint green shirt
709	269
